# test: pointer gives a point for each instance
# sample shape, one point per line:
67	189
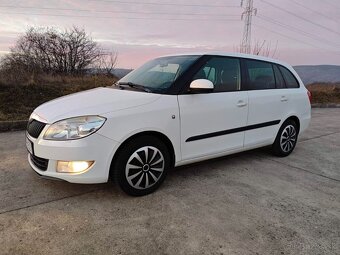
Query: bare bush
107	63
263	48
49	51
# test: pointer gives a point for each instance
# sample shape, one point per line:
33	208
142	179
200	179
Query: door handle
284	99
241	103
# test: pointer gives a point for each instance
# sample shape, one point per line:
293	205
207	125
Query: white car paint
177	117
201	115
92	102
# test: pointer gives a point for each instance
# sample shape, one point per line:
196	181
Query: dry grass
325	92
17	102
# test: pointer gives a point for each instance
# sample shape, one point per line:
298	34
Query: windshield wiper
134	85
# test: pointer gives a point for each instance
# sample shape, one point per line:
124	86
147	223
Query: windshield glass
159	74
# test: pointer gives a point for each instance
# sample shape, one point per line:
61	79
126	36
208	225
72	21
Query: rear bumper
304	121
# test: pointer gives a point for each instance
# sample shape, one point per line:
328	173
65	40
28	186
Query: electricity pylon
247	15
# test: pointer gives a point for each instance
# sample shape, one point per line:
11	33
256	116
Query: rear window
280	82
291	81
261	75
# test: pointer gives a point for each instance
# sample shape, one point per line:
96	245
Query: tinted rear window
290	79
280	82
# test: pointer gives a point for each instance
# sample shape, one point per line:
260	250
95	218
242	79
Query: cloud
139	32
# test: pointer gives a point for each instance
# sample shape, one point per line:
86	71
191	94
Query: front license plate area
29	146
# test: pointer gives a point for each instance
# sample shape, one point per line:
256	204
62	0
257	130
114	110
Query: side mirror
201	85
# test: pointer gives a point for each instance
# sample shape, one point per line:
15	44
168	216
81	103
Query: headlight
74	128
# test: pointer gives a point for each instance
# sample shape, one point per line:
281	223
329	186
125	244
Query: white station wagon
172	111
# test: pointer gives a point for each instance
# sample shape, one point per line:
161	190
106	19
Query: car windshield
159	74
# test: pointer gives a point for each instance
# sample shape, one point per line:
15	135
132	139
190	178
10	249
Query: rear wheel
141	165
286	139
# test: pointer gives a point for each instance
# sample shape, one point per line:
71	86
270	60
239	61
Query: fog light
73	166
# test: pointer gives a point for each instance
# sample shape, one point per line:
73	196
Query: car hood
91	102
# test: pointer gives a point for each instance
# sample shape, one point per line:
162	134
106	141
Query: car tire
286	139
141	165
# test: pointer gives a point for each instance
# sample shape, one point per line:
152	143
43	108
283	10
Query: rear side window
290	79
280	82
260	75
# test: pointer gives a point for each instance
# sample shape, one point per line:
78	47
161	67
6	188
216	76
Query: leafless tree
57	52
263	48
107	63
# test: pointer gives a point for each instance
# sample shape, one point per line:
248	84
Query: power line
112	11
292	38
275	32
110	17
332	4
297	30
302	18
314	11
165	4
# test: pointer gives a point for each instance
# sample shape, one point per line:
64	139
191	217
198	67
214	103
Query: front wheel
141	165
286	139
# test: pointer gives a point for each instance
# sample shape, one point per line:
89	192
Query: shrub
49	51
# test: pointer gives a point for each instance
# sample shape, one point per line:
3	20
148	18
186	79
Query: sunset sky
305	31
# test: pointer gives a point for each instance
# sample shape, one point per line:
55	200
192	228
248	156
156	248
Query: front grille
40	163
35	127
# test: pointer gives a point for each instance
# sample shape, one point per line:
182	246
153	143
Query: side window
290	79
203	73
280	82
261	75
210	73
223	72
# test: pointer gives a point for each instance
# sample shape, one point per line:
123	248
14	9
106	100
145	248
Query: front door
213	123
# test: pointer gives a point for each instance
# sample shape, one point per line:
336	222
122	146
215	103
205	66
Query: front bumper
95	147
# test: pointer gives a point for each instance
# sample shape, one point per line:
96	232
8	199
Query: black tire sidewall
277	146
123	156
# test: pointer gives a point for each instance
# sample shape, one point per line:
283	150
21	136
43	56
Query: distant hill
120	72
319	73
117	72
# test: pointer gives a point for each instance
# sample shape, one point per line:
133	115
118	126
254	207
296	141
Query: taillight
309	96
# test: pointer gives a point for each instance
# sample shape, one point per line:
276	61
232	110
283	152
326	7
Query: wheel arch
296	120
162	137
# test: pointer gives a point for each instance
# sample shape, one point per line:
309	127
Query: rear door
268	102
295	95
211	122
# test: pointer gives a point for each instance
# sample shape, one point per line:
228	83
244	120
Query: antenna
247	15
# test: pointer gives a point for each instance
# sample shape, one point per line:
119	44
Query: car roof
230	54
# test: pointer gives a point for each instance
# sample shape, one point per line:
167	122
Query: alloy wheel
288	138
144	167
